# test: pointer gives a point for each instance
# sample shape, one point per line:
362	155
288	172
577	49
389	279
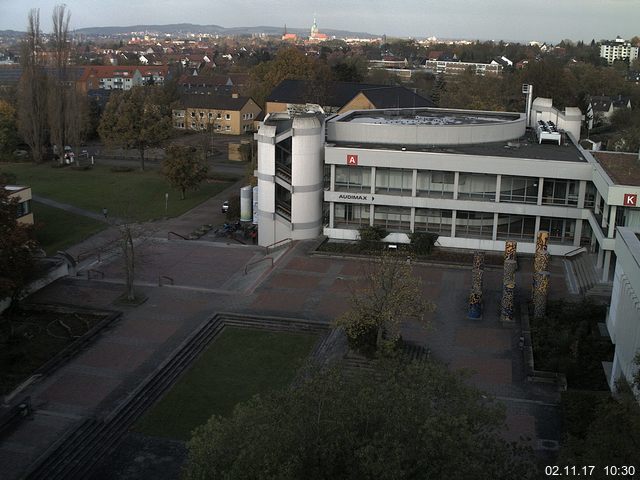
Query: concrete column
453	223
540	185
412	224
332	215
600	257
332	186
371	214
494	234
373	181
605	215
536	229
582	192
414	183
612	221
606	266
577	233
596	207
456	182
498	186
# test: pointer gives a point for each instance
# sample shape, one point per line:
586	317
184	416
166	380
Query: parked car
225	206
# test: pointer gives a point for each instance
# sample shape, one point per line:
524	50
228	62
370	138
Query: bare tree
32	92
65	106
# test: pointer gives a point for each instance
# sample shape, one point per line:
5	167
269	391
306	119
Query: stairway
588	279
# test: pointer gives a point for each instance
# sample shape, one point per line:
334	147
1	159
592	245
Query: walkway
209	277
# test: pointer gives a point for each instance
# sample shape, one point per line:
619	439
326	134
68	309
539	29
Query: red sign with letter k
630	199
352	159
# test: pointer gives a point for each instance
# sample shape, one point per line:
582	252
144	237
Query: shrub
423	242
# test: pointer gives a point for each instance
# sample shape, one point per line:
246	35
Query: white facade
618	50
475	178
623	320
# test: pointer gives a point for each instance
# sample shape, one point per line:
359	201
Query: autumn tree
133	119
397	422
32	91
388	294
17	248
184	168
8	128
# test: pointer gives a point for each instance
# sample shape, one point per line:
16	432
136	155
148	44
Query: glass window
434	221
477	186
393	219
435	184
393	181
560	192
474	224
227	117
350	215
516	227
561	230
519	189
356	179
590	196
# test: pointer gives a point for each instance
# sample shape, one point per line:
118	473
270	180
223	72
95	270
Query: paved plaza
212	276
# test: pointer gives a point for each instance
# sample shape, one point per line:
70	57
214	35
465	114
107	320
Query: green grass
133	195
237	365
57	229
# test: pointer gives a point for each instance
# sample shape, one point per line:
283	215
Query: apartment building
618	49
233	115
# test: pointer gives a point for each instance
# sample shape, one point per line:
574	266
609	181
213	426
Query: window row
467	224
211	115
471	186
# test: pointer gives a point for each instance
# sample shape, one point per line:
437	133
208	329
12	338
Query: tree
17	248
8	128
32	99
388	295
133	119
184	168
399	422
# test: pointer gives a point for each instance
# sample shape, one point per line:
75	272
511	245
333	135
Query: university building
475	178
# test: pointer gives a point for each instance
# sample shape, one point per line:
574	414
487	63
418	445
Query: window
516	227
561	230
227	128
227	117
351	215
477	186
210	115
474	224
23	208
433	221
560	192
193	114
201	114
393	219
393	181
428	187
519	189
219	116
353	179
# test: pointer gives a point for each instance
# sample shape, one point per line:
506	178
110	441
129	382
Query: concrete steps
588	280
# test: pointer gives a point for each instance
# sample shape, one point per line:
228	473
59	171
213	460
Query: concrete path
70	208
209	277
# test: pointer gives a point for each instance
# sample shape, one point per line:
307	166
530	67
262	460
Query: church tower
314	28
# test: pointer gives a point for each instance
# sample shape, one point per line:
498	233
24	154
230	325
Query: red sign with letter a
630	199
352	160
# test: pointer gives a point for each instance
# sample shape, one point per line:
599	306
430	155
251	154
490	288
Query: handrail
169	279
82	255
177	235
246	268
100	273
277	243
574	251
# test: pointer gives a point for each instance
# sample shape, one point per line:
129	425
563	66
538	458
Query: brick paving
210	278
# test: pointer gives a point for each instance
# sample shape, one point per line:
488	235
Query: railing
164	277
574	252
246	268
176	234
279	243
84	255
97	272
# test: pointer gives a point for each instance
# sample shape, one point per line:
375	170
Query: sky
509	20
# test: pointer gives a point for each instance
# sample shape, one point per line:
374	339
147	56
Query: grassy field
133	195
57	229
239	364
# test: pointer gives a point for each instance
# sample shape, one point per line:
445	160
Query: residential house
232	115
601	108
333	97
121	77
438	67
23	196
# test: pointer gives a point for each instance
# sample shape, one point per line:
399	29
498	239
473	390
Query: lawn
134	195
57	229
237	365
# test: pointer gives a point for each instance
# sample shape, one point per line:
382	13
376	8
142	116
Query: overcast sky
516	20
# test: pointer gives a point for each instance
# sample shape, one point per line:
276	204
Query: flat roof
427	116
524	147
623	168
